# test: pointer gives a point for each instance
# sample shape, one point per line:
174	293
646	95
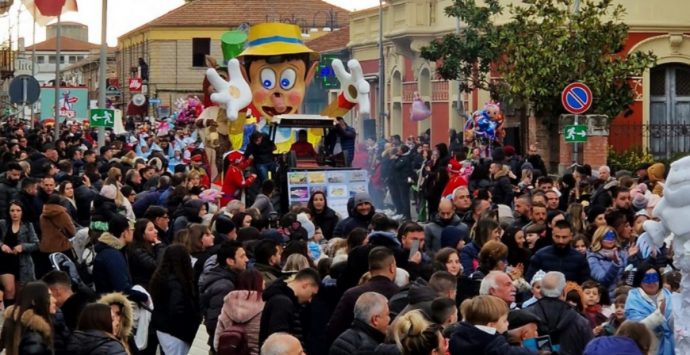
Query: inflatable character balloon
493	111
672	211
270	77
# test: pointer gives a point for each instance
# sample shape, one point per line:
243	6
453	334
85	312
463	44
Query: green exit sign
575	133
101	117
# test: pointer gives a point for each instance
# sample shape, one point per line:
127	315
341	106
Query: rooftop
66	44
232	13
334	41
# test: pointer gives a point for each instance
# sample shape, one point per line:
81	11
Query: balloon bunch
188	110
485	127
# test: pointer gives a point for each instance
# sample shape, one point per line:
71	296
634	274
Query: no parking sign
576	98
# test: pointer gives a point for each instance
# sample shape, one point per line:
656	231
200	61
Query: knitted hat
362	197
640	201
508	150
451	236
109	192
527	166
593	212
306	224
538	276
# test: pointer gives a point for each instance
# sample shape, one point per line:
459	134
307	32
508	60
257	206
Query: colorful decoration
419	111
276	68
485	128
188	110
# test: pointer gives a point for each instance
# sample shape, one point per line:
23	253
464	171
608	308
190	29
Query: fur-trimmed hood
29	320
127	311
111	241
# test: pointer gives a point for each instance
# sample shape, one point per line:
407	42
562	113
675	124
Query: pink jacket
241	307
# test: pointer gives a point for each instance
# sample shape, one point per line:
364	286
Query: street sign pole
576	145
25	97
101	69
58	59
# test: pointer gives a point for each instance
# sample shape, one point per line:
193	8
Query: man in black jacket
560	256
371	318
217	282
501	190
564	325
9	186
402	175
382	268
283	311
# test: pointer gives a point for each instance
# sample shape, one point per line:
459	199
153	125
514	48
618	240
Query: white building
72	49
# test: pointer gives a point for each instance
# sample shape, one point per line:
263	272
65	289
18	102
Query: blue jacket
639	306
604	271
468	255
110	270
151	197
567	260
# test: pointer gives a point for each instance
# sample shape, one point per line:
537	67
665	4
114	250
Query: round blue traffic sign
576	98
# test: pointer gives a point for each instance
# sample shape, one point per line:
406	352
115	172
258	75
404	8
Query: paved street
199	346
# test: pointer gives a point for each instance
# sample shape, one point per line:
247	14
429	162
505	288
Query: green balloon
232	44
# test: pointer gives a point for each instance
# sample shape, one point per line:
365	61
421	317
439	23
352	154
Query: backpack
233	341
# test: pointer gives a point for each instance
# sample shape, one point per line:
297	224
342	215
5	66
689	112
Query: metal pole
33	61
382	74
575	145
461	104
101	68
58	59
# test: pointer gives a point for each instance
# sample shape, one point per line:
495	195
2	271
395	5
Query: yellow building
175	44
661	117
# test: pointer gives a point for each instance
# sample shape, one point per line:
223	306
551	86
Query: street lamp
382	75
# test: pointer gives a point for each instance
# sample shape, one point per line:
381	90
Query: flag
45	11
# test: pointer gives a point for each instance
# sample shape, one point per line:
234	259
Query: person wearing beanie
512	160
535	285
359	215
444	219
225	229
314	249
595	215
110	263
657	176
454	237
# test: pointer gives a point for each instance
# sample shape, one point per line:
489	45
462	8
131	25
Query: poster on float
338	185
74	103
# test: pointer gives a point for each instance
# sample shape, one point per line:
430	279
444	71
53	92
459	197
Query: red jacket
234	181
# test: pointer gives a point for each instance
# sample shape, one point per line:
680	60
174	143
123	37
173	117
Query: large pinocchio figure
270	76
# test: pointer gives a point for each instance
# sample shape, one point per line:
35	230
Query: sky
123	16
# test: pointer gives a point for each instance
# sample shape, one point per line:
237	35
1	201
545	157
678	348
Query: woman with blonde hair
415	335
606	261
295	263
485	319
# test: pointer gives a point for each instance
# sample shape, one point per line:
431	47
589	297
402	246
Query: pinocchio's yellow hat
268	39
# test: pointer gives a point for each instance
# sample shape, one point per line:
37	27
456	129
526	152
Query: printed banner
74	103
338	185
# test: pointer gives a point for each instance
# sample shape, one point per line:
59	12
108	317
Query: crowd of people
129	250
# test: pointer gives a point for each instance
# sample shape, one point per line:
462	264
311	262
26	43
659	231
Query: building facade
175	45
72	50
86	73
660	120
